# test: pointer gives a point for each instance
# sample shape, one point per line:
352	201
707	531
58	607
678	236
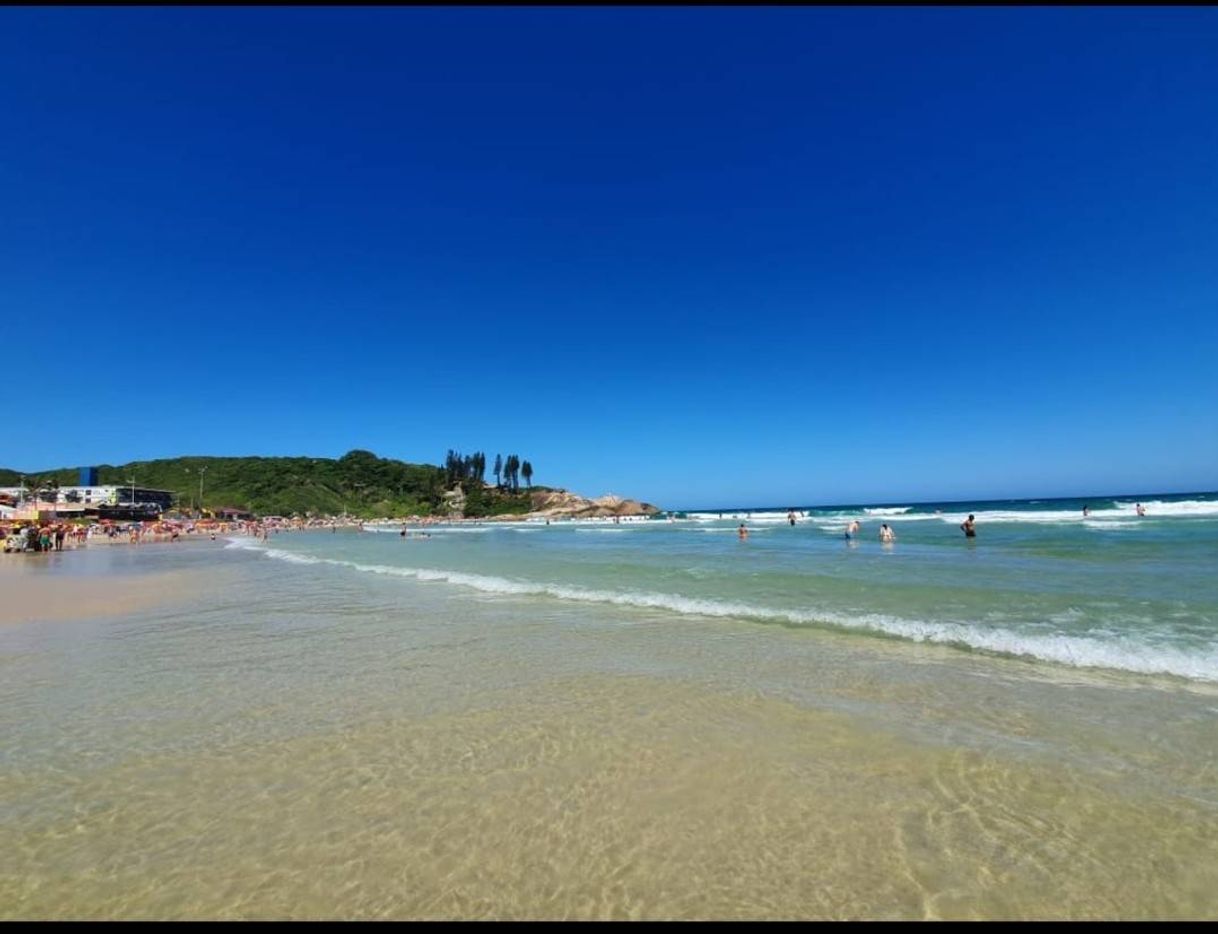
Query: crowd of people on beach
27	536
37	537
30	537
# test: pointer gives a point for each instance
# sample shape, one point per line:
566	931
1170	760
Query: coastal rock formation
454	501
561	504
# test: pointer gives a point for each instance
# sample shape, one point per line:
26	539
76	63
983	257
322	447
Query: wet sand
604	799
32	590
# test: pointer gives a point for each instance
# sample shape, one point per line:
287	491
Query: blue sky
696	256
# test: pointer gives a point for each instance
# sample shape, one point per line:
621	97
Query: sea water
643	719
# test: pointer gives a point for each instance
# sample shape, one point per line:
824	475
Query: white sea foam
1119	653
1184	507
1111	525
830	519
1119	511
290	556
1042	517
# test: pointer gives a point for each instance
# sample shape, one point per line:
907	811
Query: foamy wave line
1155	509
1184	507
1094	519
1121	654
289	556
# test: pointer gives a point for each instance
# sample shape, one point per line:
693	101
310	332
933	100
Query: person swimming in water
967	527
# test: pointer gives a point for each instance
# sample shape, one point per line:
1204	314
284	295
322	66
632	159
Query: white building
110	495
91	495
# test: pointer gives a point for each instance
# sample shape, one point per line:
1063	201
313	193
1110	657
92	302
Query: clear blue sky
697	256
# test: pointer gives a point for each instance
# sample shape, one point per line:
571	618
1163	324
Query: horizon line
949	502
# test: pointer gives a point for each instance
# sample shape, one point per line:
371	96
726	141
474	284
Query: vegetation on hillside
358	483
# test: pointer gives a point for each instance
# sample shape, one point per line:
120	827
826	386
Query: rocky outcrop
561	504
454	501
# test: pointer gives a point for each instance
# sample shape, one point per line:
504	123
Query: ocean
644	719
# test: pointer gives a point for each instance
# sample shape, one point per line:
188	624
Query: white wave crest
1032	517
1117	653
1184	507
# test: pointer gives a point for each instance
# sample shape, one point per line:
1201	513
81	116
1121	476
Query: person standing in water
886	535
852	529
742	532
1141	509
791	516
967	527
1086	511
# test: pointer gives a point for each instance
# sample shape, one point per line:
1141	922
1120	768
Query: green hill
359	483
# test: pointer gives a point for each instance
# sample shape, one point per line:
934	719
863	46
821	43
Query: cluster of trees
460	467
512	470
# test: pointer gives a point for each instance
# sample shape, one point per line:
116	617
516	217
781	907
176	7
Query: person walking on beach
742	532
967	527
60	532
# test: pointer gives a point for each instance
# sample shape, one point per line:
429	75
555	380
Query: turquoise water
1111	591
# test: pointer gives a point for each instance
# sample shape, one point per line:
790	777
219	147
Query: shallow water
314	740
